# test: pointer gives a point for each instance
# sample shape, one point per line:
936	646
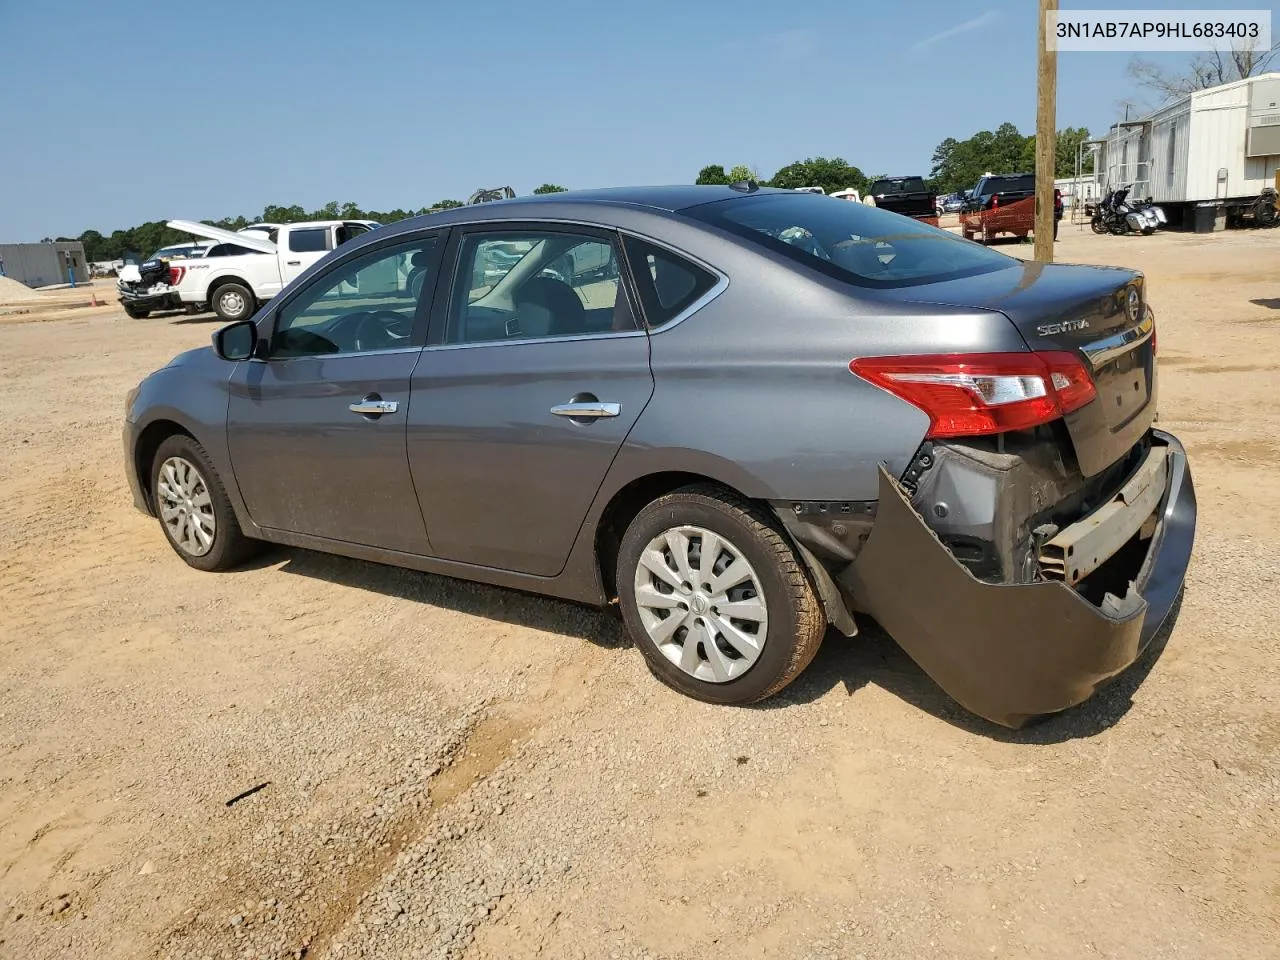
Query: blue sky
116	113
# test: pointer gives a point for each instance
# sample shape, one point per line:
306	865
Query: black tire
796	620
1096	224
233	301
136	313
230	547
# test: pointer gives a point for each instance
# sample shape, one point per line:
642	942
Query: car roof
671	198
609	201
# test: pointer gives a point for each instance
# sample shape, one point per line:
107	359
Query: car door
303	246
316	428
539	373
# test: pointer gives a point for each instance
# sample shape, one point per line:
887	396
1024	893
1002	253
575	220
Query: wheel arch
144	451
639	492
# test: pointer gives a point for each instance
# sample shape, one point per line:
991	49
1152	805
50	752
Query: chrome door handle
587	411
367	407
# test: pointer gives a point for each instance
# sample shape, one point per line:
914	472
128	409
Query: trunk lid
1097	313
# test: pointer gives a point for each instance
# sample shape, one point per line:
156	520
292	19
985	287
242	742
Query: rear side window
668	283
309	240
851	241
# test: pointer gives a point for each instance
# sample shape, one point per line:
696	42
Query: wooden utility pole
1046	134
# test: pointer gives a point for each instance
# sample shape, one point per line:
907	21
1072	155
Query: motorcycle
1117	215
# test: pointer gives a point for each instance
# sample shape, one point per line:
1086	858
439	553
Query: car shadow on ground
182	318
870	659
601	627
1271	303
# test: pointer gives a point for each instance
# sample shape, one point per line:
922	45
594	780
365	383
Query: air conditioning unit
1263	136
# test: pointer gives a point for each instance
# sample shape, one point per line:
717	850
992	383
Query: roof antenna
745	186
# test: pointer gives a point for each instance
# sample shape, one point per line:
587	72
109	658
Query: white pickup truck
234	286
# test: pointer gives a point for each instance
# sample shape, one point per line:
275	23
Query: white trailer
1209	158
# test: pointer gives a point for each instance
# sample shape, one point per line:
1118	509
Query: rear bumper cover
1011	652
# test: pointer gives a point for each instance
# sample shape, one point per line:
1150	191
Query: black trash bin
1205	215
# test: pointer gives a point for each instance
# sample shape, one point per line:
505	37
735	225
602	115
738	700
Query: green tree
447	204
549	188
95	245
959	164
713	174
831	174
743	172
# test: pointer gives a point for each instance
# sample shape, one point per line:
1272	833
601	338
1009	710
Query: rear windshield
905	185
1021	184
851	241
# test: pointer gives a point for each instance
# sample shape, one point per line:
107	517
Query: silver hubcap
701	603
232	303
186	508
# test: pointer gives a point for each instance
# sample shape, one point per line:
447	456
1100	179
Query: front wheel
233	301
193	508
136	313
1097	225
715	598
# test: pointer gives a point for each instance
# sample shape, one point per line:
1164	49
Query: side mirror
236	341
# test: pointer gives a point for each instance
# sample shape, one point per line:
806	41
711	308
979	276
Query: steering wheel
379	329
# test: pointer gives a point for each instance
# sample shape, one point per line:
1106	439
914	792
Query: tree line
149	237
956	165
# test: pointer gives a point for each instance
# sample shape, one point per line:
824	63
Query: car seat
549	308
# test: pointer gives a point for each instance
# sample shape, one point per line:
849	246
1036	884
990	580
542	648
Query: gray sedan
748	415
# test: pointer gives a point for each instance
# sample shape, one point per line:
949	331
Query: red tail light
969	395
176	274
995	200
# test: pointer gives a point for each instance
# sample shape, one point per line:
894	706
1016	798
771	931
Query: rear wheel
715	598
233	301
193	508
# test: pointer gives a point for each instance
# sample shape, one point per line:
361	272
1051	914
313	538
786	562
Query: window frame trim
442	308
422	312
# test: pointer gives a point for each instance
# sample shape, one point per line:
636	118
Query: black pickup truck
1004	203
905	195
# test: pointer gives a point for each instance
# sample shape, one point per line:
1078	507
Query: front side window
309	240
349	231
359	305
851	241
529	285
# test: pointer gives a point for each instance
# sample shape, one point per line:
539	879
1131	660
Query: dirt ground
448	770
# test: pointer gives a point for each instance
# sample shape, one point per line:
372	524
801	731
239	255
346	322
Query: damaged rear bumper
1011	652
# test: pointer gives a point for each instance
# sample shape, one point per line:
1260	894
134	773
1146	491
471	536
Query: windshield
182	250
904	185
851	241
